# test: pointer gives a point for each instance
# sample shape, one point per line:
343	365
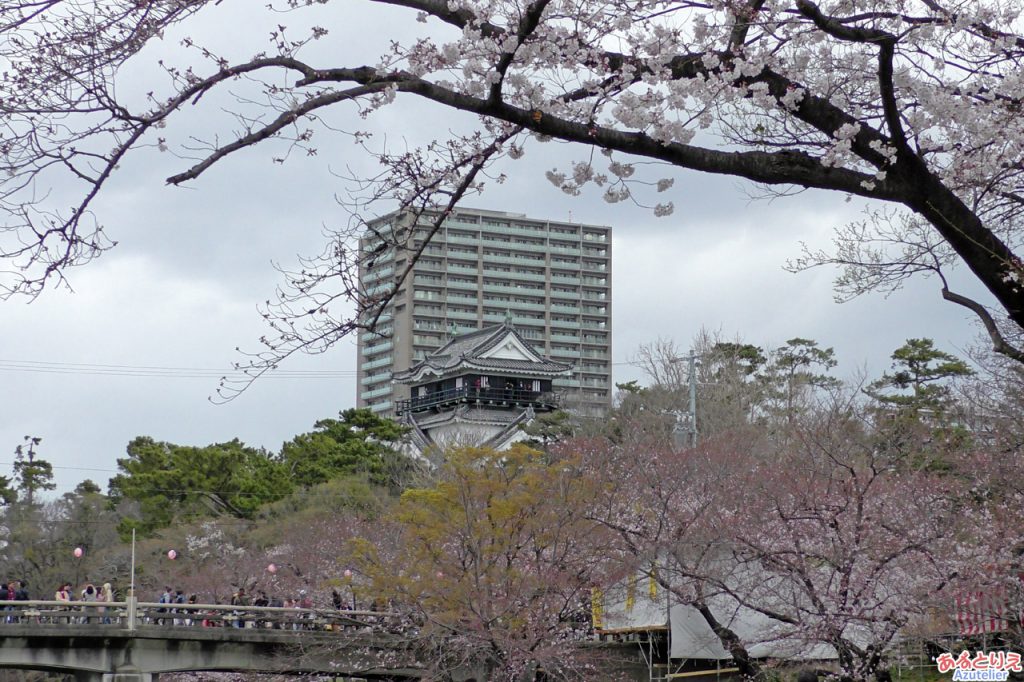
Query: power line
57	466
100	369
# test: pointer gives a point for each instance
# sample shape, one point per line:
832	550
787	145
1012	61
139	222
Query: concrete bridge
135	642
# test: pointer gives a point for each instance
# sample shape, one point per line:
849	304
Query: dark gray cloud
193	263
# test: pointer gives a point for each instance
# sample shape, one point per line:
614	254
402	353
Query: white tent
637	606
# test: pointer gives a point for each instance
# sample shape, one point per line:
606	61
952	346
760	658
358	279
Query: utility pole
691	416
692	361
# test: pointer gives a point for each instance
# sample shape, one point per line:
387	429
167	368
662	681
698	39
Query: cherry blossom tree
843	549
914	105
813	534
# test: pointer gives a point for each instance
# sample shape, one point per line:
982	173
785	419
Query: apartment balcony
383	321
515	246
375	275
379	289
463	240
473	286
516	305
460	315
376	393
511	229
380	362
461	222
500	317
563	324
508	289
512	260
377	348
524	276
427	341
563	308
566	250
572	338
564	279
574	295
375	378
378	408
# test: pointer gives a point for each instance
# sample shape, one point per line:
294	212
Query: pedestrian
179	598
89	595
239	598
305	602
105	596
8	593
262	600
21	593
165	598
63	594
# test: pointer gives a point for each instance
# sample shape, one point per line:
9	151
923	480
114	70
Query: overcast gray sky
181	290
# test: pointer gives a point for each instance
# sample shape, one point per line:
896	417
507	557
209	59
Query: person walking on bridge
63	594
89	595
106	595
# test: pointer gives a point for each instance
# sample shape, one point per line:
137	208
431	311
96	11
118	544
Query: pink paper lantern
172	555
272	568
78	552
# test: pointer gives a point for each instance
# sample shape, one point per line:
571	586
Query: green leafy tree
737	383
729	391
31	473
915	407
171	482
359	442
920	380
550	427
792	372
8	494
495	560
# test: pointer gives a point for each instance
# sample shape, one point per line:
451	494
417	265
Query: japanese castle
477	389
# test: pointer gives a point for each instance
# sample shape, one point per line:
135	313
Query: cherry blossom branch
886	52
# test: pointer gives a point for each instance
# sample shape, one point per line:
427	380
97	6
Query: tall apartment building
552	277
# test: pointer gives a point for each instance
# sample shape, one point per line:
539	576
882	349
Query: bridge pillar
132	608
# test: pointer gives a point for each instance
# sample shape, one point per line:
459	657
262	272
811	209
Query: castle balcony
483	397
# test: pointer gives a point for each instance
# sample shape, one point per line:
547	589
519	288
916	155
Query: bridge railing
133	614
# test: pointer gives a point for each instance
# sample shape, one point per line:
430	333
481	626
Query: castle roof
498	349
